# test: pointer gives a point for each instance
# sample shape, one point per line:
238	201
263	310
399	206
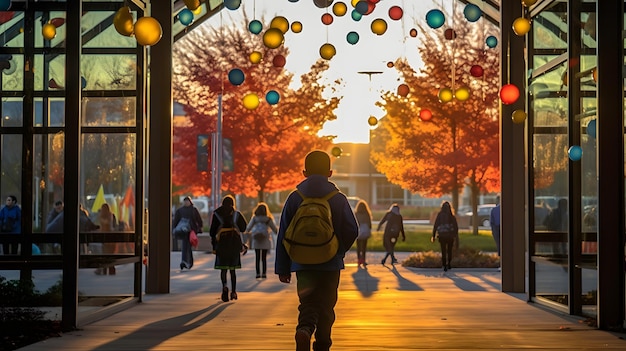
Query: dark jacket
223	212
13	217
344	224
190	212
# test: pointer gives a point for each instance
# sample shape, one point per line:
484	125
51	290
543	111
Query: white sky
371	53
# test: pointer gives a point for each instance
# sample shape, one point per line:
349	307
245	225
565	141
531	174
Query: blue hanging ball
575	152
352	38
591	128
255	26
236	76
232	4
83	82
272	97
185	16
491	41
472	12
5	5
435	19
356	16
293	0
362	7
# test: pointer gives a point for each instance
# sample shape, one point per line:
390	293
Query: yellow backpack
310	237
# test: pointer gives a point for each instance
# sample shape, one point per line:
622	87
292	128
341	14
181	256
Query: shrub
461	258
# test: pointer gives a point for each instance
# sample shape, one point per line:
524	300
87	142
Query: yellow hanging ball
462	94
281	23
148	31
296	27
256	57
518	116
123	21
327	51
340	9
445	95
354	2
273	38
49	31
251	101
379	26
521	26
197	11
529	3
372	121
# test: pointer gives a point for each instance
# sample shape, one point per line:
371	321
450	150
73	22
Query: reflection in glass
109	111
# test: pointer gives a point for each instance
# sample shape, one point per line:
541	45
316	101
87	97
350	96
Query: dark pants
495	232
317	291
446	250
186	254
361	248
261	261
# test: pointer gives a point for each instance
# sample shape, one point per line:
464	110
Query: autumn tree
458	147
269	142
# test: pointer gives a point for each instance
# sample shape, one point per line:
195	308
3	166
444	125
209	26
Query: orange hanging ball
403	90
509	93
273	38
327	51
425	114
148	31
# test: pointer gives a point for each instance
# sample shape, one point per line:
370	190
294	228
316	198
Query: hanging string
484	51
453	44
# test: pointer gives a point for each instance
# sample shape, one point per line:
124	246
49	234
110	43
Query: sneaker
182	266
382	261
258	276
233	295
264	276
303	340
225	294
394	261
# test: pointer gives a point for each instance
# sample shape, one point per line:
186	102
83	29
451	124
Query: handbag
193	238
364	231
182	227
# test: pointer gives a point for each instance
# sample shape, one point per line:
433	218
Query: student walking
364	219
393	229
317	284
260	226
186	219
11	222
446	227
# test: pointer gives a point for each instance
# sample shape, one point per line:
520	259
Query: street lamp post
373	122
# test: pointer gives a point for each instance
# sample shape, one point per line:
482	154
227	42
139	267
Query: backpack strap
326	197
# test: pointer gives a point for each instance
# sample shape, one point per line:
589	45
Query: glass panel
109	72
52	75
12	113
551	278
56	33
12	72
48	173
45	293
547	97
110	111
99	31
550	179
10	184
12	29
49	112
550	27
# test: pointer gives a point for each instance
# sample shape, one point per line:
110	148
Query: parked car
484	213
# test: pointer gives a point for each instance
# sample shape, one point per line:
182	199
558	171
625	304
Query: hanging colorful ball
379	26
185	16
296	27
123	21
362	7
251	101
462	94
327	51
395	13
5	5
518	116
256	57
445	95
273	38
272	97
322	3
340	9
279	61
49	31
148	31
327	19
236	76
57	21
575	153
472	12
232	4
509	93
12	67
336	151
192	4
403	90
413	32
83	82
491	41
293	0
449	34
352	38
477	71
372	121
390	64
356	16
591	128
435	18
255	26
281	23
594	74
521	26
425	114
197	11
529	3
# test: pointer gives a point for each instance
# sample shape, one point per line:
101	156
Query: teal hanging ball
352	38
435	19
255	26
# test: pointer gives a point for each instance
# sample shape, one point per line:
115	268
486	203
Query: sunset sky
370	53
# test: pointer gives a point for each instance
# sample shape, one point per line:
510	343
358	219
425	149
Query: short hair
317	162
228	200
58	203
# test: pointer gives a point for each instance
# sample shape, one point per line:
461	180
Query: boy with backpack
317	227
